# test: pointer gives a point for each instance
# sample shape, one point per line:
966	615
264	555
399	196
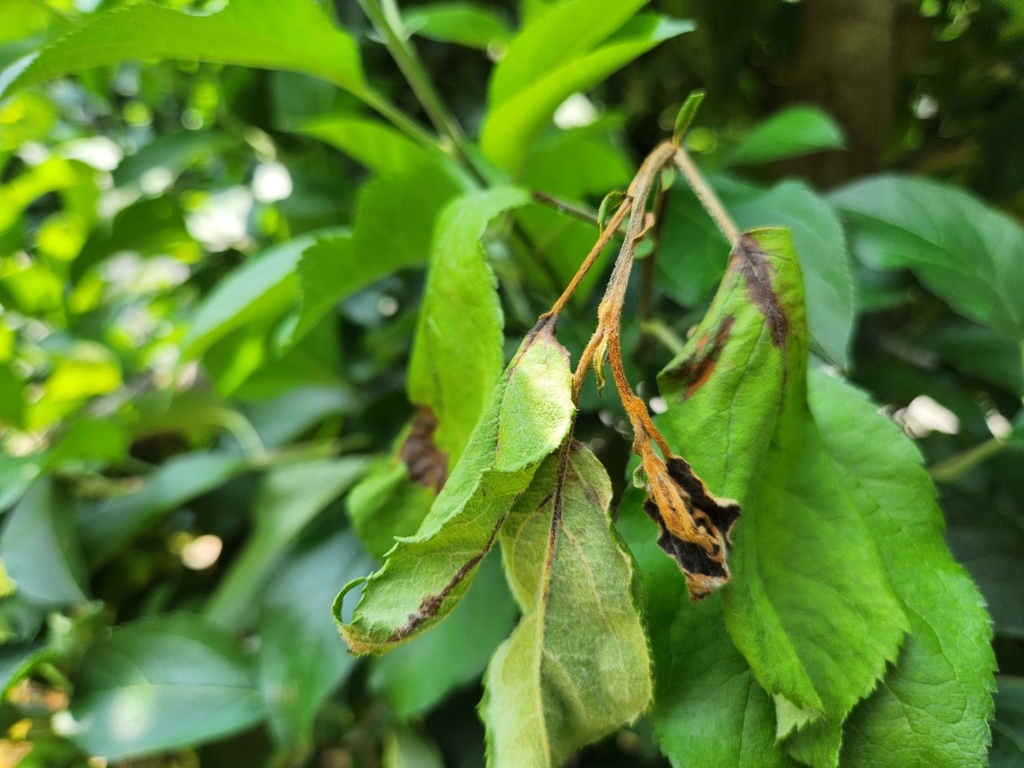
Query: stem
707	196
648	267
564	206
955	467
599	246
401	121
656	329
386	22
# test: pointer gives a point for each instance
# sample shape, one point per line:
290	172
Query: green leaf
159	684
426	575
372	143
388	504
415	677
792	132
709	710
525	92
933	707
986	533
577	667
686	114
18	661
295	35
1008	726
696	253
742	379
301	660
17	474
263	288
106	527
12	399
339	264
458	347
976	351
40	550
289	498
966	253
405	748
470	25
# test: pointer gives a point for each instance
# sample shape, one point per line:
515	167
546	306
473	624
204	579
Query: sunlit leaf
294	35
421	583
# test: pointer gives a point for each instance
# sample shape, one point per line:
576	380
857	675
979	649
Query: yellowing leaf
577	667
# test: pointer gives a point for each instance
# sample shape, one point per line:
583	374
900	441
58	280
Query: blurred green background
177	458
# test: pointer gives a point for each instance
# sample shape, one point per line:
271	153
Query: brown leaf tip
695	525
427	464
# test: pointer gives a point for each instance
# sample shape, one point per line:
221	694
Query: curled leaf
695	524
427	464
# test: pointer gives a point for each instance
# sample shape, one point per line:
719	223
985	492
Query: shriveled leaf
742	379
426	575
289	498
968	254
39	547
294	35
159	684
471	25
932	708
105	527
418	675
394	226
458	348
795	131
578	665
523	98
301	661
372	143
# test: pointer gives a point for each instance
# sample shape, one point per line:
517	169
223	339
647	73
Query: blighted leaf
294	35
426	575
695	526
932	708
159	684
741	382
458	348
697	254
578	666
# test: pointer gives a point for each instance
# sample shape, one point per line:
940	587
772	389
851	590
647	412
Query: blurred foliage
220	350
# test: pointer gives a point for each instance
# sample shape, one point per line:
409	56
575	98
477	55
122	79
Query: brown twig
706	196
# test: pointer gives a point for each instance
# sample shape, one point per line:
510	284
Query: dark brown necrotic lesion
427	464
722	514
695	525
